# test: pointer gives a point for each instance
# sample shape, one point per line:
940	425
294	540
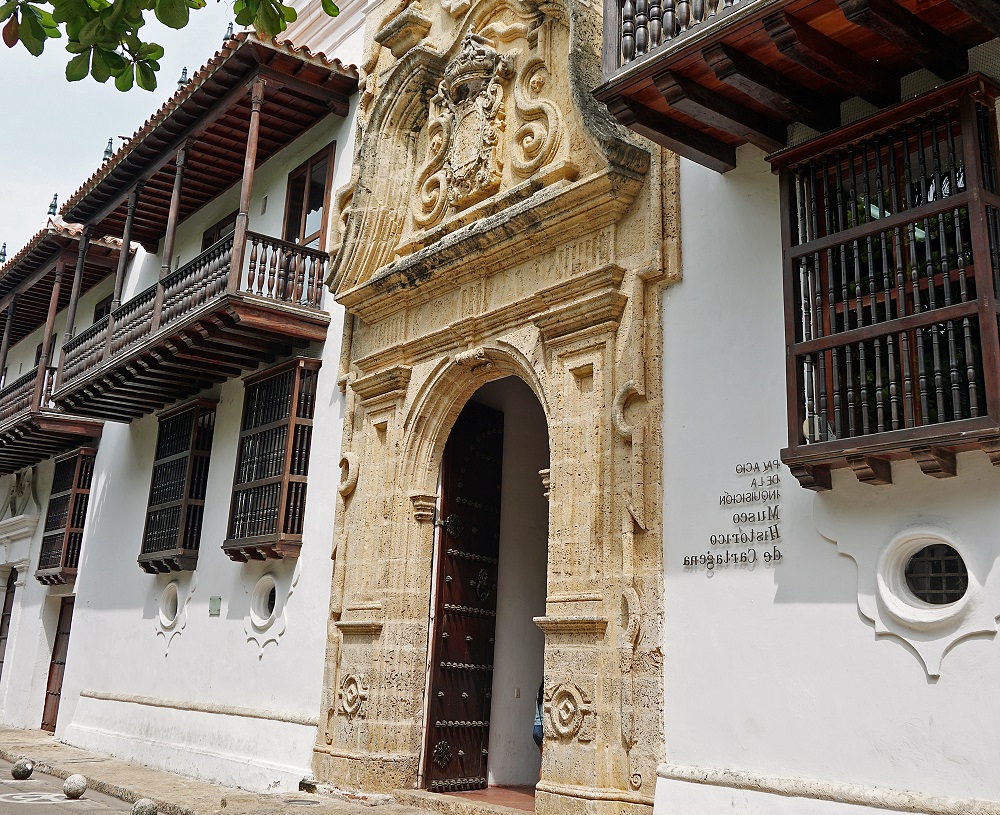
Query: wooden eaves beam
827	58
926	45
681	139
772	89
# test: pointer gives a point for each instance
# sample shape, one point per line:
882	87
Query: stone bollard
22	769
75	786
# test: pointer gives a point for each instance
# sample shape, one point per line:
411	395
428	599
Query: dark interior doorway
57	667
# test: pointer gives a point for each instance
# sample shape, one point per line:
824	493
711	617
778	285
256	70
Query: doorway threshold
490	801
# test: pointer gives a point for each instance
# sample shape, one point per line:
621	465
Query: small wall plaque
214	606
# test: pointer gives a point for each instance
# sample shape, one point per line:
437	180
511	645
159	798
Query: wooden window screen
65	517
891	241
172	534
218	231
269	489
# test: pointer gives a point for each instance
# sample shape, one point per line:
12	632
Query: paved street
42	794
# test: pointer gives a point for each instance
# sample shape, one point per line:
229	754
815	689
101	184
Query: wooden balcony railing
18	397
274	270
642	26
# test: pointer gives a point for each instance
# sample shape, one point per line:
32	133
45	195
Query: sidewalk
174	794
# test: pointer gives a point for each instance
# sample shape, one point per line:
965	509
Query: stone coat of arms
468	117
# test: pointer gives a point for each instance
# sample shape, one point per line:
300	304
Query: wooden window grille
172	535
891	232
269	489
62	536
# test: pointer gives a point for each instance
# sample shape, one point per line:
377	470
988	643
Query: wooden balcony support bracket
926	45
11	311
815	478
935	461
50	321
827	58
246	187
871	469
74	297
174	212
133	202
721	113
772	89
991	446
984	12
673	135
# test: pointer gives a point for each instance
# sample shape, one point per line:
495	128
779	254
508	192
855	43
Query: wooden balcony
703	77
205	323
32	428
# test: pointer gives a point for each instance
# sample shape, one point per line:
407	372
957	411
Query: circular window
264	601
937	575
923	580
169	605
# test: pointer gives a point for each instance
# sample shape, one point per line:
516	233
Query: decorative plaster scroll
854	794
350	464
570	712
881	544
352	694
261	630
537	140
201	707
22	498
185	585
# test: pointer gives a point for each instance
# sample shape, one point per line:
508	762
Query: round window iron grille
937	575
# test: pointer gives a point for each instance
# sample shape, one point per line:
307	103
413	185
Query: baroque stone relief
499	224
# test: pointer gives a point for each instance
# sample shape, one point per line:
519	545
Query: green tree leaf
144	77
330	8
99	67
172	13
78	67
125	79
7	9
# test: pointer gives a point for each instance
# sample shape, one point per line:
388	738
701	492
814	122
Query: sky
53	132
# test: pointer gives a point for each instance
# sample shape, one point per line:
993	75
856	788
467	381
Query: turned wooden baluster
628	30
252	267
669	19
641	26
296	267
697	11
655	22
309	271
683	15
713	7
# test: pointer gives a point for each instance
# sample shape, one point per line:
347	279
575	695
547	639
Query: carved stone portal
500	224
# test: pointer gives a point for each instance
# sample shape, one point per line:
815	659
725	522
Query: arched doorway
490	558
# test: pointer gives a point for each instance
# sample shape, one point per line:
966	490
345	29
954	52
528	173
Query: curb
126	794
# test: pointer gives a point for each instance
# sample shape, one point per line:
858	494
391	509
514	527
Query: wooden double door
465	603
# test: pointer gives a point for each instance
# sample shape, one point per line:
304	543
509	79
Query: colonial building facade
400	404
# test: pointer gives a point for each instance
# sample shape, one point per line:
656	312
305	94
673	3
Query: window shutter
269	488
65	517
172	534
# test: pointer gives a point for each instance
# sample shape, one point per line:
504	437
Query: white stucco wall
771	669
524	516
